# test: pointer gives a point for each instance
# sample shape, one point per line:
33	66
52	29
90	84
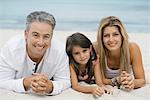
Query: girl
119	59
84	64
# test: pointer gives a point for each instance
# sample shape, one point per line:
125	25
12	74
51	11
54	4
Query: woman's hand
127	81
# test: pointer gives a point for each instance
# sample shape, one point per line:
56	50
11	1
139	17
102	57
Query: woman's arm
137	65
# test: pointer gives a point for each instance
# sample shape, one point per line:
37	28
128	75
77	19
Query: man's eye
46	37
35	35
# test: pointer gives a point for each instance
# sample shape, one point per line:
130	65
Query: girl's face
112	38
81	55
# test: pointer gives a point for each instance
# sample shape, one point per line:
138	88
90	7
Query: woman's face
112	38
81	55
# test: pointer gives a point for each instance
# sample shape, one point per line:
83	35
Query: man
36	61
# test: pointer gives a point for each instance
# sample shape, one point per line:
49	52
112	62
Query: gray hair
40	16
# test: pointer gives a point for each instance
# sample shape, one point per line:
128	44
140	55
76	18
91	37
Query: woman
83	64
120	61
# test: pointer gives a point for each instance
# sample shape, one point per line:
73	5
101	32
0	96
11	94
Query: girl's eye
84	50
76	53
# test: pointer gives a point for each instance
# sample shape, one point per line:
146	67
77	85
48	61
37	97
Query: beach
142	39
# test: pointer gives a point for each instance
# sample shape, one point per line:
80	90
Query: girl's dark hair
78	39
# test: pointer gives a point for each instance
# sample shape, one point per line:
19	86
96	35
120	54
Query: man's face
38	39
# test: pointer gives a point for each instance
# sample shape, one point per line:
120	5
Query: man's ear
25	34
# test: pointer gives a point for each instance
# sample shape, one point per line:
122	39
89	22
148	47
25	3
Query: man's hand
41	84
27	82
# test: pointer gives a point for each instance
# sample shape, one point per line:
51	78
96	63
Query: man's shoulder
14	49
57	44
57	49
15	43
15	40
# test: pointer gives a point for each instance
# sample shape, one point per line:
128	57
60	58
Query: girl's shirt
83	75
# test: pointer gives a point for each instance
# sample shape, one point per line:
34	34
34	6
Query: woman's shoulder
133	46
134	50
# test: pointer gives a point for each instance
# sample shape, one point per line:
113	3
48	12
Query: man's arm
61	79
8	73
8	81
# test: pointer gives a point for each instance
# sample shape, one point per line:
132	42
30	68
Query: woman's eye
116	34
106	35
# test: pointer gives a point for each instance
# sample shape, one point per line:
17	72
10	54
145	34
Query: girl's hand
107	90
97	91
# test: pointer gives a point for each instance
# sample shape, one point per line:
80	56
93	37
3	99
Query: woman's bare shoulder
134	50
133	46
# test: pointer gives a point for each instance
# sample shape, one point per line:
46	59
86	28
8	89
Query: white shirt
15	65
111	73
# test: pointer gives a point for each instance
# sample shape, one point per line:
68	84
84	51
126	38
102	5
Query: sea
78	15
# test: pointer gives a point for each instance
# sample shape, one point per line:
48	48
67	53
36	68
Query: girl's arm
97	73
137	65
80	88
100	77
103	78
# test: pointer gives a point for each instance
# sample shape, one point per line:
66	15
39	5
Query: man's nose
40	41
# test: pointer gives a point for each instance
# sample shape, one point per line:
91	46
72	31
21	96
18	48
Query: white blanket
69	94
138	94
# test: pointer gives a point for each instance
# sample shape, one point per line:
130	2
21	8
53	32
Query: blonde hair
124	51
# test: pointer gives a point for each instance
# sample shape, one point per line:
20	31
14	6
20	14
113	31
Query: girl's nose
81	55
